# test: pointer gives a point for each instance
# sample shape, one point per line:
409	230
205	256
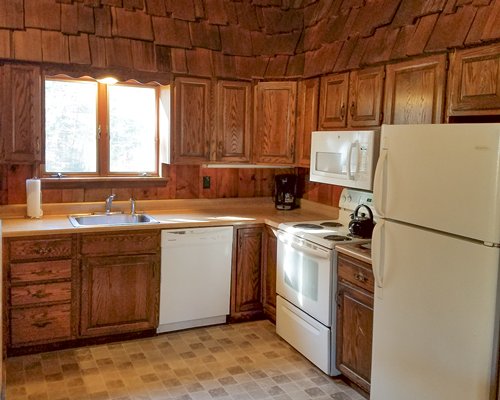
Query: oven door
304	276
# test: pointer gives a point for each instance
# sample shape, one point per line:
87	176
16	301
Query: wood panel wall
239	38
183	182
242	39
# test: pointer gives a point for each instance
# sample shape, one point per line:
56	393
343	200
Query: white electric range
307	281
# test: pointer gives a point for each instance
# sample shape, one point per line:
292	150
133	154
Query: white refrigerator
436	260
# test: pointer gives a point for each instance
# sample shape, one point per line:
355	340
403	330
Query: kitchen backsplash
184	182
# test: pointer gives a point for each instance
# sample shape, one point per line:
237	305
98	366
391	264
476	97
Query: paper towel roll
34	198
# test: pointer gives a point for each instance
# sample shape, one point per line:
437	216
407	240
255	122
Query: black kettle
362	226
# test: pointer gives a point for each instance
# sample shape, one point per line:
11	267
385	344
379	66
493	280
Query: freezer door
434	333
444	177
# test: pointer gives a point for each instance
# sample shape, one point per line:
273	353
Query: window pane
132	129
70	126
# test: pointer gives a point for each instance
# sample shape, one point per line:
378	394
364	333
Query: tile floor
240	361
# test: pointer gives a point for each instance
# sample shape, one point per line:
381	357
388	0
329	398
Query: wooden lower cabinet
354	320
246	292
119	283
269	273
40	279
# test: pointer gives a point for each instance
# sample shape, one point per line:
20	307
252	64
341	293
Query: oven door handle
311	251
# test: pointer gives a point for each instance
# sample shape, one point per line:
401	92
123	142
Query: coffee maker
285	191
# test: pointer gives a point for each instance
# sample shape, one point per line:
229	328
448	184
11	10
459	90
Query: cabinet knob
342	112
360	277
353	107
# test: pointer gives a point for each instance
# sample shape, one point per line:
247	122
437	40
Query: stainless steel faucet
132	206
109	203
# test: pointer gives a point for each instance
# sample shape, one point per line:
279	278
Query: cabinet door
191	136
414	91
307	119
118	294
274	122
269	273
354	334
21	113
365	97
246	299
475	81
333	101
233	113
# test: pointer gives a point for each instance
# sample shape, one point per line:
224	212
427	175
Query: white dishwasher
195	277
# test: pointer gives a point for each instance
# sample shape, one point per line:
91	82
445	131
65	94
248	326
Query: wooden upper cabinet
333	101
307	119
233	142
21	120
274	122
474	87
191	136
414	91
365	97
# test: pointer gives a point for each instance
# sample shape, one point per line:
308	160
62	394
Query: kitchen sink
111	219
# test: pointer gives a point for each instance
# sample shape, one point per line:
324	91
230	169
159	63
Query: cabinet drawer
41	270
40	324
40	248
37	294
355	272
145	242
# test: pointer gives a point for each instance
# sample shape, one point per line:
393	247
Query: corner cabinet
274	122
246	291
354	320
21	117
191	121
474	81
119	282
414	91
233	142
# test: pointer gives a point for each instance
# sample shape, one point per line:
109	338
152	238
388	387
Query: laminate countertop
169	213
358	251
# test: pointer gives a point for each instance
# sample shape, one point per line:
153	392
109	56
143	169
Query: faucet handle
132	206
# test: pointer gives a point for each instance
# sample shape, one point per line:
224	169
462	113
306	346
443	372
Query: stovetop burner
308	226
331	224
337	238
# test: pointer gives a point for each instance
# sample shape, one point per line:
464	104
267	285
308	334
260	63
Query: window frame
102	134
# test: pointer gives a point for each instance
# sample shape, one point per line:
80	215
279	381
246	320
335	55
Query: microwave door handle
350	175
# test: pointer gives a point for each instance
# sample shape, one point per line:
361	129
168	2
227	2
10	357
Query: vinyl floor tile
246	361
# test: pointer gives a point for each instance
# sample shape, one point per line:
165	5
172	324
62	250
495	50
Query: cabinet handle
37	145
41	251
40	294
352	109
42	272
360	277
342	112
41	324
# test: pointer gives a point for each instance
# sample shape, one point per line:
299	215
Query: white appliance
345	158
306	282
195	277
436	261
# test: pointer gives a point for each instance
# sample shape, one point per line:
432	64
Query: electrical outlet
206	182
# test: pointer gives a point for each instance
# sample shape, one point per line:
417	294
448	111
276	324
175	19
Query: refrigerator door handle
378	246
379	183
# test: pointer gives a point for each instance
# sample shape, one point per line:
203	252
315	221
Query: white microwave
344	158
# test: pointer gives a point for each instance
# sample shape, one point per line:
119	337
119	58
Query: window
94	129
